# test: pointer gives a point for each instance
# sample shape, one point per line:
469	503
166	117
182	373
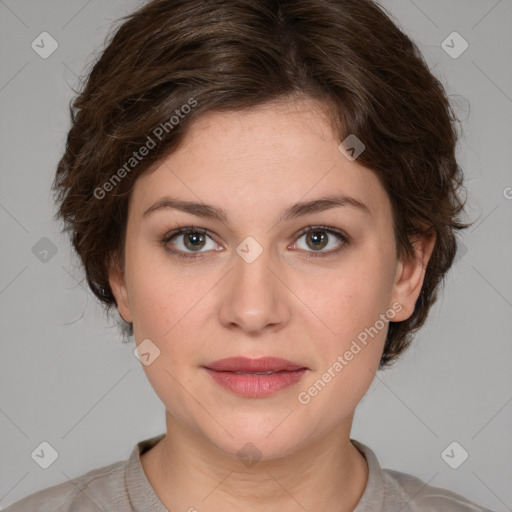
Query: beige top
123	487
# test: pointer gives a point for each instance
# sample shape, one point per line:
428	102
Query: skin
254	164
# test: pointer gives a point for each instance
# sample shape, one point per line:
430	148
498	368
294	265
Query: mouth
255	378
262	365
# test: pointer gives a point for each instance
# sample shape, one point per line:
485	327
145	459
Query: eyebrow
297	210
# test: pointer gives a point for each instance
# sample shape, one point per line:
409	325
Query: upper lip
247	365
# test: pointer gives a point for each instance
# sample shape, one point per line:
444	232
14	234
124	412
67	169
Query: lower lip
256	386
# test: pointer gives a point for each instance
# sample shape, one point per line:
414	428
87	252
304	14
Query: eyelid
184	230
330	229
344	238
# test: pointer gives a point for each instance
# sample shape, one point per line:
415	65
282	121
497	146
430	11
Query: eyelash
309	254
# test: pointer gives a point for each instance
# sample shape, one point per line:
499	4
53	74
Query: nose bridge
252	267
255	296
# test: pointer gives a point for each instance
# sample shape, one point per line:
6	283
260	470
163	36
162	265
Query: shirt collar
373	495
143	497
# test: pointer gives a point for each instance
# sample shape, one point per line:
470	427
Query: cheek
348	305
349	351
166	306
162	294
347	301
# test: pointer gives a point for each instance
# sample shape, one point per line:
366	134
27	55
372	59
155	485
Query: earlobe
116	278
410	275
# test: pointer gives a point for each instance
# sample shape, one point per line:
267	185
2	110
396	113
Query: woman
267	193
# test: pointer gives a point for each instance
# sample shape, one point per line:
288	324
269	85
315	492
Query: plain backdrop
65	377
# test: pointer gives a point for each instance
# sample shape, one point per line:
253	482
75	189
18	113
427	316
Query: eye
193	240
318	238
186	241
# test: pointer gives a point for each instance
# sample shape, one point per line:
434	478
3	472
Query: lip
243	376
261	364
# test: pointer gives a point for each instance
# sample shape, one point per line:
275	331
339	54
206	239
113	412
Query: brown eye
187	241
317	239
194	240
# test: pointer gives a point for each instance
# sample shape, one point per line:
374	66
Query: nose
255	297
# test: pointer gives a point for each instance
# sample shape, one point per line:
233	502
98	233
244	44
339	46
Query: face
313	285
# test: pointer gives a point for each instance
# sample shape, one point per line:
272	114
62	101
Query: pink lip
250	383
245	364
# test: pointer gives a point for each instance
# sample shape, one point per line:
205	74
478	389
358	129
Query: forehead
260	159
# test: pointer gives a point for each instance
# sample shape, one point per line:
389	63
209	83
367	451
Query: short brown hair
237	54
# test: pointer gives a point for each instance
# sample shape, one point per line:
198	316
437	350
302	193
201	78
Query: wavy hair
238	54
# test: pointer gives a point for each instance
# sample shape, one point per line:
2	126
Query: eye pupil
197	240
319	239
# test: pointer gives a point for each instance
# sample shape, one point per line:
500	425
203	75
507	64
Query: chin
255	438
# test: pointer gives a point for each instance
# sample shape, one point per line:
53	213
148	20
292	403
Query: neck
188	472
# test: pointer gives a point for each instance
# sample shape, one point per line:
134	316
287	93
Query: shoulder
92	491
388	490
415	495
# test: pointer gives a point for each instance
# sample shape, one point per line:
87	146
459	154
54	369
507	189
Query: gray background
66	378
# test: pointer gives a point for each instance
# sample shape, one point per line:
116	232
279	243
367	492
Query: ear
116	278
410	275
